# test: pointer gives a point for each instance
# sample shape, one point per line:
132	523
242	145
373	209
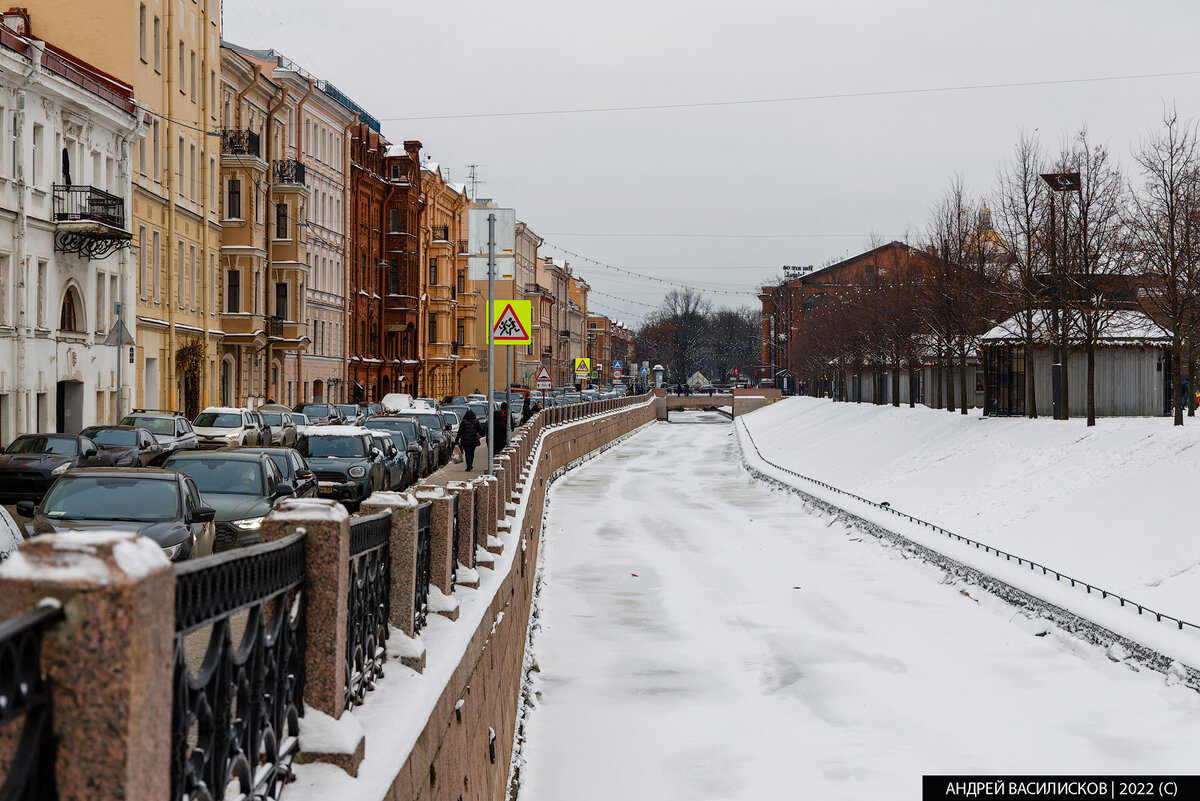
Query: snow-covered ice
703	635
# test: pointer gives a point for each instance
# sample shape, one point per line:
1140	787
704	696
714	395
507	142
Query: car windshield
347	411
129	498
155	425
428	419
383	441
331	447
222	476
218	420
373	408
63	446
112	436
480	410
315	411
273	419
299	419
403	425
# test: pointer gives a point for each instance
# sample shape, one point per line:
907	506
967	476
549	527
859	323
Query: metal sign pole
491	334
120	352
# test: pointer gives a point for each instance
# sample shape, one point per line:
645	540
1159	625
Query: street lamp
1058	182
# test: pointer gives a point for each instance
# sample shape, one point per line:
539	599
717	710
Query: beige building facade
450	305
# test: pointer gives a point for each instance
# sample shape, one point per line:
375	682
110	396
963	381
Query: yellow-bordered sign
583	367
513	322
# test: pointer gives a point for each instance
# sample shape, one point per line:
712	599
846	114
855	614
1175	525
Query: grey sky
846	167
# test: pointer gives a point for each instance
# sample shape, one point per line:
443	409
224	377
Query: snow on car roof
333	431
223	410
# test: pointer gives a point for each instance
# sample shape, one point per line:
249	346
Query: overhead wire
644	277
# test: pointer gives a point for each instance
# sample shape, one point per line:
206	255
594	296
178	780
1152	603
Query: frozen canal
703	636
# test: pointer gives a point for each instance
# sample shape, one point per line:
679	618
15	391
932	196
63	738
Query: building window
394	277
394	221
37	155
233	291
193	92
71	318
395	167
42	267
143	245
156	264
155	143
235	200
192	173
157	46
281	298
142	32
182	64
433	271
433	328
281	221
462	333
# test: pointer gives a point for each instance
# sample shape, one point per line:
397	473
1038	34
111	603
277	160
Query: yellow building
170	53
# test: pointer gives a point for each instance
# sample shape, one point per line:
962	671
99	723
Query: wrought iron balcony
88	204
275	326
441	233
564	334
240	142
289	171
461	245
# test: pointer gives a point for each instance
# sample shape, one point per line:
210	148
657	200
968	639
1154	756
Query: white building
66	131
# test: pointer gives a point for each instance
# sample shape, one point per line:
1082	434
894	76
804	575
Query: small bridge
740	401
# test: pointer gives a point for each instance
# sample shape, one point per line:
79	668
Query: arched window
71	318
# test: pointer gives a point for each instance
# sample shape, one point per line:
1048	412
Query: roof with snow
1121	328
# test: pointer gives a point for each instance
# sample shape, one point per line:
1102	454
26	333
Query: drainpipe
172	190
348	262
20	257
301	297
268	130
126	287
206	201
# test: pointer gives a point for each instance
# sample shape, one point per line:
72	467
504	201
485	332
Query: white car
219	426
397	402
10	534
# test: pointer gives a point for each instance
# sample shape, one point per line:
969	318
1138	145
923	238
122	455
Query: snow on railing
989	549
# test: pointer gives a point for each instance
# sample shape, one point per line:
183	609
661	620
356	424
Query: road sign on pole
543	379
513	322
583	368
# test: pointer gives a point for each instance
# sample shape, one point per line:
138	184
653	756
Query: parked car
351	414
418	443
172	430
32	462
294	469
300	420
319	414
395	468
163	505
439	430
453	417
371	409
348	465
219	427
264	428
428	403
283	429
241	487
396	402
129	446
453	399
11	535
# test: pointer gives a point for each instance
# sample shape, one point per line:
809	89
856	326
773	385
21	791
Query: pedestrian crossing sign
583	367
514	322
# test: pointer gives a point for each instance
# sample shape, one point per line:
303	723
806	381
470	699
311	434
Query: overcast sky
769	184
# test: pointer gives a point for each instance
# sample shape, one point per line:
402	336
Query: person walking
469	437
525	410
501	429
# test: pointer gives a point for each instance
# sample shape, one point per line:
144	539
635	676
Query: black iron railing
274	326
441	233
25	700
88	204
240	142
368	606
238	698
461	245
454	544
289	171
424	565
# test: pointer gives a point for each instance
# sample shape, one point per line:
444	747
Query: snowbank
1106	504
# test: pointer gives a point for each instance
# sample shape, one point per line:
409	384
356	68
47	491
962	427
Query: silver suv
220	427
171	429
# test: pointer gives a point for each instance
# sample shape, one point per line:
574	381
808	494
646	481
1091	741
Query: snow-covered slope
1113	504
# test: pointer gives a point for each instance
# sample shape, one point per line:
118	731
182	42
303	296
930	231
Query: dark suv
348	465
242	488
32	462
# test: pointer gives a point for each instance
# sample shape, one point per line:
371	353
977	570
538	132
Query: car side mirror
202	514
376	453
306	475
284	488
90	453
26	508
448	427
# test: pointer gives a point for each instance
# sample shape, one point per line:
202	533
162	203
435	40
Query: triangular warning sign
543	375
508	327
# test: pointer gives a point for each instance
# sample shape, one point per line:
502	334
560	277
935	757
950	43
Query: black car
440	429
348	465
295	470
159	504
319	414
417	444
352	414
130	446
32	462
242	488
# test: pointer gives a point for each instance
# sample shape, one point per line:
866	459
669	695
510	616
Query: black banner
1058	788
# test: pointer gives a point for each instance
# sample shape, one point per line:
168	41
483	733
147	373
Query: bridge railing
367	605
27	706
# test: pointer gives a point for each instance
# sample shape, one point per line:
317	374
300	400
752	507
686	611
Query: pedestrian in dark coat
525	412
469	436
501	429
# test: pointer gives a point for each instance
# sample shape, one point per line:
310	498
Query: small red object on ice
635	575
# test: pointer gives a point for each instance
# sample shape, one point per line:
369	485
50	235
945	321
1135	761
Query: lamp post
1058	182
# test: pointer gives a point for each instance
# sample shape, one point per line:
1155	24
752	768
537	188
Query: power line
800	98
722	236
648	277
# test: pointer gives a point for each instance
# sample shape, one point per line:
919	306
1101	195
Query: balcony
564	334
461	245
289	172
441	296
240	142
90	221
441	233
443	351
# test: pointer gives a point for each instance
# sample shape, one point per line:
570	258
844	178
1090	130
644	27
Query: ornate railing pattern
368	605
74	203
424	565
289	171
25	693
240	142
235	720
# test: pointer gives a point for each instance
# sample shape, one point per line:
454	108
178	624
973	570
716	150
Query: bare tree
1164	223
